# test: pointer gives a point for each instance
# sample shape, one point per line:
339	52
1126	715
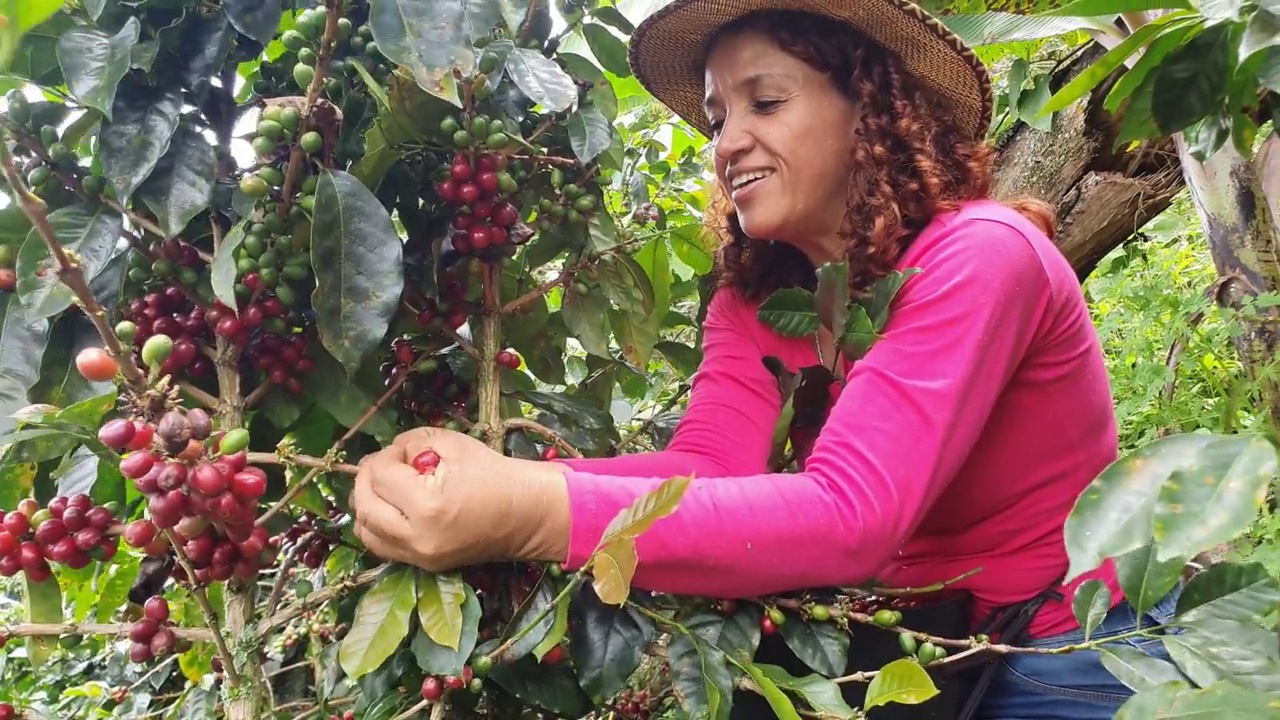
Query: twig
548	159
437	712
644	426
296	154
265	458
526	424
574	582
567	274
282	573
201	396
210	617
71	274
317	599
463	343
86	629
258	393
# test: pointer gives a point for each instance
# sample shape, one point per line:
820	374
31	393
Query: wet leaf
790	312
901	681
92	232
1091	604
181	186
608	643
93	62
380	623
357	258
440	601
142	124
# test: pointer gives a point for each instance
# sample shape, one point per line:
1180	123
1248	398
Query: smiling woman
841	132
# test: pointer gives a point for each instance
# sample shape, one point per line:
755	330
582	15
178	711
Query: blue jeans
1072	686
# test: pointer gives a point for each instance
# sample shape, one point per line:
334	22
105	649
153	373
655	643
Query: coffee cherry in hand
426	461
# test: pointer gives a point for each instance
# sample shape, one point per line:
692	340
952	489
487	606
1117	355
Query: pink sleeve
909	414
733	396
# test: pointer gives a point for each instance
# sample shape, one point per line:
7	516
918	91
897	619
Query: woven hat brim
667	51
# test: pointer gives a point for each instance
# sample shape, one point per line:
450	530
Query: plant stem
526	424
210	617
84	629
296	153
489	379
264	458
496	654
317	599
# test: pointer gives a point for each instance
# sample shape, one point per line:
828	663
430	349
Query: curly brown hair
914	162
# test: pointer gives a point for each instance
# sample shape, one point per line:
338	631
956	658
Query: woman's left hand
477	506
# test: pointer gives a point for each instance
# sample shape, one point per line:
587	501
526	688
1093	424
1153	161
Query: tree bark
1102	196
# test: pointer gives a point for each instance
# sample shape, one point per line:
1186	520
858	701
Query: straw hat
668	50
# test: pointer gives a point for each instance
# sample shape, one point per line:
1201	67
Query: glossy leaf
613	568
608	643
1144	579
1103	67
357	258
380	623
1148	493
223	273
901	681
93	62
1213	649
559	627
347	398
859	334
256	18
582	315
60	383
790	312
701	674
819	692
542	598
1207	136
90	231
181	186
21	342
589	133
1193	80
544	81
143	120
1262	32
1150	59
822	646
1091	603
832	295
42	603
695	248
552	687
1221	700
885	290
1244	593
608	49
1137	669
1000	27
440	601
437	659
778	701
209	39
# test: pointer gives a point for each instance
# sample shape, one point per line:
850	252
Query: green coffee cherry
156	350
234	441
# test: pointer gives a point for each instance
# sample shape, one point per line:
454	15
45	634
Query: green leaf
223	273
1091	604
1149	60
582	316
790	312
882	295
440	600
778	700
1213	649
92	232
380	623
43	604
552	687
602	233
437	659
608	643
20	343
181	186
818	692
1144	579
60	383
858	336
559	626
1089	8
1220	701
699	658
143	120
23	15
1193	80
684	358
694	246
346	399
357	259
93	62
540	78
1241	592
822	646
589	133
832	296
544	595
1137	669
608	49
1207	136
1262	32
615	559
985	28
901	681
611	16
1221	9
1159	491
256	18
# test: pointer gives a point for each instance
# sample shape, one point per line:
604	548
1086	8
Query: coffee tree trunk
1235	197
1102	197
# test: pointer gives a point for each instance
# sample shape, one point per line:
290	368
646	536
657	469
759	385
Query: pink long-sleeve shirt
961	440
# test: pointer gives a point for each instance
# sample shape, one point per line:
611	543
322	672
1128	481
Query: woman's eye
765	105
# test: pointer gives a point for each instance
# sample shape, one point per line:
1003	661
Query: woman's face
782	135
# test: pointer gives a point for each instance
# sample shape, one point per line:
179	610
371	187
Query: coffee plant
249	242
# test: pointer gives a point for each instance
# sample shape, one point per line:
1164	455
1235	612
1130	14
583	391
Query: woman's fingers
375	510
378	545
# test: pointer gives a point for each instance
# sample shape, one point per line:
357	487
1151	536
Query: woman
961	440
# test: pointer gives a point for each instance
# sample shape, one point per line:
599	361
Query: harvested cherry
426	461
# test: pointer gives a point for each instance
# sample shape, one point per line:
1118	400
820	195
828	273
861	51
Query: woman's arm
908	417
734	403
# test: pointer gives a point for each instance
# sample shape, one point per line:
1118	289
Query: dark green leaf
882	295
573	409
1138	123
347	399
256	18
822	646
701	675
93	62
43	604
545	82
1159	491
1091	604
357	259
858	336
583	315
21	342
602	233
380	623
1193	80
685	358
1214	649
223	274
608	49
137	136
91	231
1243	593
589	133
1148	61
790	312
181	186
437	659
552	687
832	296
60	383
1137	669
778	701
818	692
542	598
1144	579
206	42
607	641
901	681
611	16
1206	137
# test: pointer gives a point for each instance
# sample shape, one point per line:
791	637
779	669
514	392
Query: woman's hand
477	506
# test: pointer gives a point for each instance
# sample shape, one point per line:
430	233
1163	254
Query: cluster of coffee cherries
433	391
282	359
200	486
449	311
169	314
70	531
434	686
320	537
310	624
152	635
632	704
481	190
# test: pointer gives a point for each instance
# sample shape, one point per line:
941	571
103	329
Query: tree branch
200	396
210	617
526	424
202	635
265	458
317	599
296	154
